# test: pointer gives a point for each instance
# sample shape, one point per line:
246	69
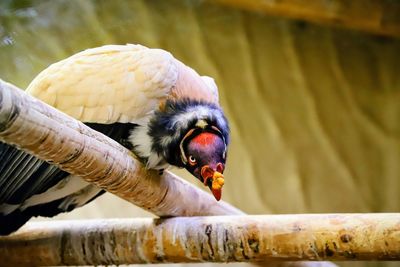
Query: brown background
314	110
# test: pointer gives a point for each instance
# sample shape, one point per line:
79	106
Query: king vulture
145	99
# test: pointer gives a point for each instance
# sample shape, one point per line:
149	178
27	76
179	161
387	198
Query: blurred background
313	107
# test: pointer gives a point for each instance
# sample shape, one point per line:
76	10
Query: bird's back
113	89
113	83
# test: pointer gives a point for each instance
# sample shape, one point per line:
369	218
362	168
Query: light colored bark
378	17
55	137
316	237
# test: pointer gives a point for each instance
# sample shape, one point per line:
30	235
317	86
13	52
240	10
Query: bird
145	99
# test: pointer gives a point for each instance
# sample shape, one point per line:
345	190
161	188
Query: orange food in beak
217	181
217	184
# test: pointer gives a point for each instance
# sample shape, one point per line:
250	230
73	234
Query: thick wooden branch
315	237
57	138
373	16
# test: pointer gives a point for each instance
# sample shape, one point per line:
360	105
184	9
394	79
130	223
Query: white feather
65	187
156	162
182	120
141	140
80	198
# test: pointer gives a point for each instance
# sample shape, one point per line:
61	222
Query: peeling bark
317	237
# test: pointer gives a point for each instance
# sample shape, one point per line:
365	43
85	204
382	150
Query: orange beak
216	183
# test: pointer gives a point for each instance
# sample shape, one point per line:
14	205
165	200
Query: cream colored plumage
143	98
122	84
118	83
107	84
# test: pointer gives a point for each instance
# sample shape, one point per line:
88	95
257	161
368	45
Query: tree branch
317	237
51	135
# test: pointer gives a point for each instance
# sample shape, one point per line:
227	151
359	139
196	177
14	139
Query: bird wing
21	174
112	89
31	187
113	83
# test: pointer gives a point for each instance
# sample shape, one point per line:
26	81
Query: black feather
163	124
23	175
118	131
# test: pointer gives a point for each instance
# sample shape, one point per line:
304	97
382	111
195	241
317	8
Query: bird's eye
192	160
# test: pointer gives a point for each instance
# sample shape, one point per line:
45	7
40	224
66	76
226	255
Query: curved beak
214	180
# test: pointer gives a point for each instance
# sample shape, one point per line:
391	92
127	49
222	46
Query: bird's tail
12	222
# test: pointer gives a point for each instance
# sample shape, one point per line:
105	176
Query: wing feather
112	89
22	175
26	181
113	83
31	187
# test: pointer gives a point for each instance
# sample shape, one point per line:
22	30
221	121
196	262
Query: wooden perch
373	16
315	237
55	137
